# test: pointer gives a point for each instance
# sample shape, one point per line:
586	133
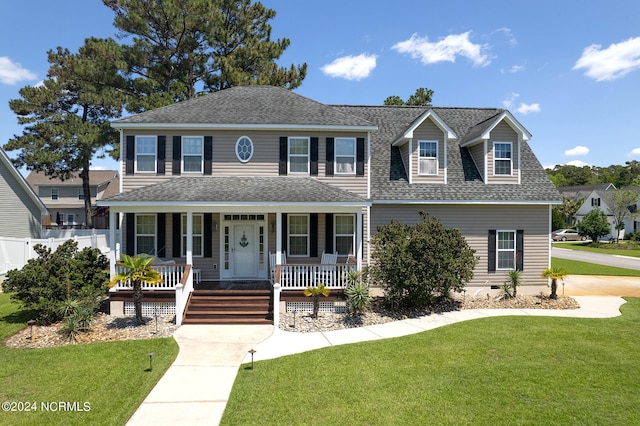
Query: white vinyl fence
15	252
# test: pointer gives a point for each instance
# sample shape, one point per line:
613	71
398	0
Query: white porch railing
183	291
299	277
171	278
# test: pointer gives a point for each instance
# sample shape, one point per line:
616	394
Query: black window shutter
177	154
208	155
314	157
130	219
162	234
328	232
360	157
491	254
313	237
285	232
162	151
131	153
330	159
520	249
208	234
177	234
282	167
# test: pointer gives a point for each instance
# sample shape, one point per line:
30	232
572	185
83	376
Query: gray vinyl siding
503	133
264	161
19	215
475	221
477	153
428	131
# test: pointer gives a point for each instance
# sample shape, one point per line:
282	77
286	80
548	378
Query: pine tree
67	117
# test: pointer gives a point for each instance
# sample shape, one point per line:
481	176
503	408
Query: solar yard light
31	323
252	351
151	354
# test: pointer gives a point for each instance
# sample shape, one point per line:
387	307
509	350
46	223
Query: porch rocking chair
325	273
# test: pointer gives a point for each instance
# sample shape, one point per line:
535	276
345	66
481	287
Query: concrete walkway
196	388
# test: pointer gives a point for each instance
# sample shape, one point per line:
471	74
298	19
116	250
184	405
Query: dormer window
502	156
428	158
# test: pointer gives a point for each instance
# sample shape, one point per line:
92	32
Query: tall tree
422	97
181	47
67	116
622	205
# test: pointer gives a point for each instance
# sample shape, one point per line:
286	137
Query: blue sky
569	70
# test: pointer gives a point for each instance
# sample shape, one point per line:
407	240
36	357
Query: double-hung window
344	234
146	234
197	233
345	152
298	235
146	153
502	158
192	154
299	155
80	194
506	250
55	193
428	158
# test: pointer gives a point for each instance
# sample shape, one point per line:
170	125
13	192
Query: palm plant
316	292
515	280
139	271
555	273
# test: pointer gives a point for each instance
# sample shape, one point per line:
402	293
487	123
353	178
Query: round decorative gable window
244	149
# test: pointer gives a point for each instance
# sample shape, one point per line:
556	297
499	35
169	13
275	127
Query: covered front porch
276	240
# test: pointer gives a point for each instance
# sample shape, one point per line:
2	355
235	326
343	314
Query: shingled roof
464	183
250	106
240	190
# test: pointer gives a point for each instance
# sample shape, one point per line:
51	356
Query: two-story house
222	181
601	199
65	198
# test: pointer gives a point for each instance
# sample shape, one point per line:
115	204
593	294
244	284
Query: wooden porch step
229	307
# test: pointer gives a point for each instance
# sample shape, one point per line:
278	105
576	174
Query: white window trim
503	159
336	235
154	235
437	158
55	194
252	149
81	194
201	155
155	154
183	236
289	235
335	157
499	250
289	155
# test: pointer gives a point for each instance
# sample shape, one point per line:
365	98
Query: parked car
566	235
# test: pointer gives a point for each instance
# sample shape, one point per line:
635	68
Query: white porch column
278	238
189	247
112	244
276	305
359	239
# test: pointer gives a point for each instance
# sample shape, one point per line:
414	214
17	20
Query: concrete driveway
596	285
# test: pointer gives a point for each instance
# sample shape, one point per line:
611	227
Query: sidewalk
196	388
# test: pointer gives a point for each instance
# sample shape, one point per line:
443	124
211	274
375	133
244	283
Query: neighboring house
221	181
65	198
580	192
600	199
21	211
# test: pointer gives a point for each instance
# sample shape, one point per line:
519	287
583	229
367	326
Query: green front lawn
575	267
623	249
499	370
110	377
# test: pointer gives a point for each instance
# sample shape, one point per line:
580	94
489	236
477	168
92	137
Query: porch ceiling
226	191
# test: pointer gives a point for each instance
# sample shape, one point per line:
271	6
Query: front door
245	251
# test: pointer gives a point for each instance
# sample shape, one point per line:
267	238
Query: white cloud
578	150
528	108
611	63
351	67
12	73
634	152
508	103
516	68
509	34
577	163
444	50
